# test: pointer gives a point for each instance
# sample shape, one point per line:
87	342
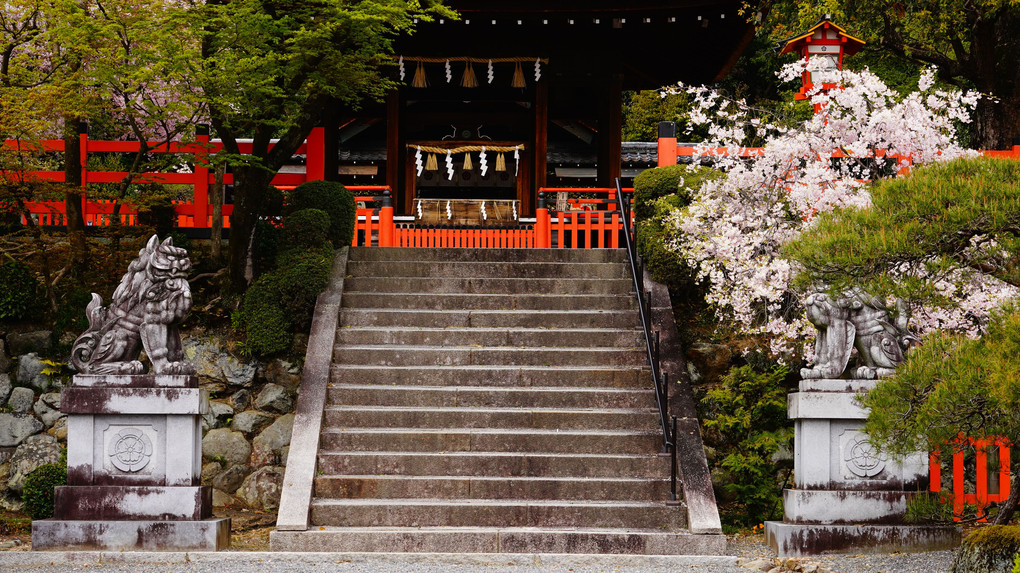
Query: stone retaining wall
246	433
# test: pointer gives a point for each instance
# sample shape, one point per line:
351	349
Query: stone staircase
490	401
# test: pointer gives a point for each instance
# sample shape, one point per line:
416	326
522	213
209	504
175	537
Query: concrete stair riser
512	540
493	376
531	337
449	396
466	356
414	254
461	440
492	418
489	318
528	464
486	269
623	286
456	302
449	487
495	513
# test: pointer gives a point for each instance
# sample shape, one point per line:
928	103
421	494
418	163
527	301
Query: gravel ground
746	547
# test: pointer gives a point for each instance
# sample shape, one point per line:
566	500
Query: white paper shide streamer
449	165
449	212
485	216
517	161
449	72
400	62
483	162
418	164
492	74
419	209
538	69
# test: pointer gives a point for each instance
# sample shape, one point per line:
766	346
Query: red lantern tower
824	46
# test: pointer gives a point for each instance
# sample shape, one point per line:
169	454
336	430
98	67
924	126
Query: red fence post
200	203
385	222
83	159
315	155
543	234
667	143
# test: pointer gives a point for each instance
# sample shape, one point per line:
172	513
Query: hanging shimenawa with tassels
468	79
432	164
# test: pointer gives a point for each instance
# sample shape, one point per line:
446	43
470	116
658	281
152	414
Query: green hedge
333	198
38	489
679	180
19	291
305	229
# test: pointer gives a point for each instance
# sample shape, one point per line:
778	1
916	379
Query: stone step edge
487	409
571	479
487	329
498	389
494	431
468	502
487	348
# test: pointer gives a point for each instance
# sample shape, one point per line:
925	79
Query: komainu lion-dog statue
861	321
152	299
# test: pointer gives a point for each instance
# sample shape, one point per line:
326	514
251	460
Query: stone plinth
134	458
847	495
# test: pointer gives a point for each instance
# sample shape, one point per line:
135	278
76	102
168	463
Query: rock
274	398
758	564
5	454
220	499
46	413
218	415
712	361
15	428
25	342
30	372
59	429
5	387
809	568
261	490
284	454
21	400
989	549
213	362
52	399
11	502
267	445
251	421
209	471
228	481
240	400
300	345
226	446
282	373
36	451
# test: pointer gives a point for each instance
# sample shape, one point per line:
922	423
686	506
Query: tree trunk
73	198
995	71
1008	507
217	213
250	186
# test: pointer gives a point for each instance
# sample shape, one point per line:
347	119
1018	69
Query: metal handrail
659	379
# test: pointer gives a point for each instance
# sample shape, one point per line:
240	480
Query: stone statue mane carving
152	299
861	321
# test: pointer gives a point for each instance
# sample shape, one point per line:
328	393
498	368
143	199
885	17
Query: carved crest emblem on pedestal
130	450
860	457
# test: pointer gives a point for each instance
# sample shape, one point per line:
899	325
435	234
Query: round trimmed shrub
19	291
266	325
38	489
306	229
651	184
333	198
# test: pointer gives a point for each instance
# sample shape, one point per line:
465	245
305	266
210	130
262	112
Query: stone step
490	318
382	355
477	487
486	269
461	302
490	440
481	396
481	255
572	337
459	285
491	418
497	464
494	513
494	376
507	540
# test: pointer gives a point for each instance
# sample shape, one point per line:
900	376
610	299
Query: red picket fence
971	459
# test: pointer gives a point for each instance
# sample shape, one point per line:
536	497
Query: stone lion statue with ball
152	299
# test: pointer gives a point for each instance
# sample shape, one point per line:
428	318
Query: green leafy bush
745	420
306	229
333	198
680	180
38	489
19	291
71	310
266	326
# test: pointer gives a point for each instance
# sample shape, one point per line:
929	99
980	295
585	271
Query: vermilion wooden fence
970	459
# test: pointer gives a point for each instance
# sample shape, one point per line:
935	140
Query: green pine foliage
745	420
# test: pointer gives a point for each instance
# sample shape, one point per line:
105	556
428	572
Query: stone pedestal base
797	540
64	535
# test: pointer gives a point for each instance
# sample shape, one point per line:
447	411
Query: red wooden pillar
83	160
315	155
543	230
667	143
386	229
200	203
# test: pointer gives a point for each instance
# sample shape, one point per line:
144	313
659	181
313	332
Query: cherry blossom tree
734	231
